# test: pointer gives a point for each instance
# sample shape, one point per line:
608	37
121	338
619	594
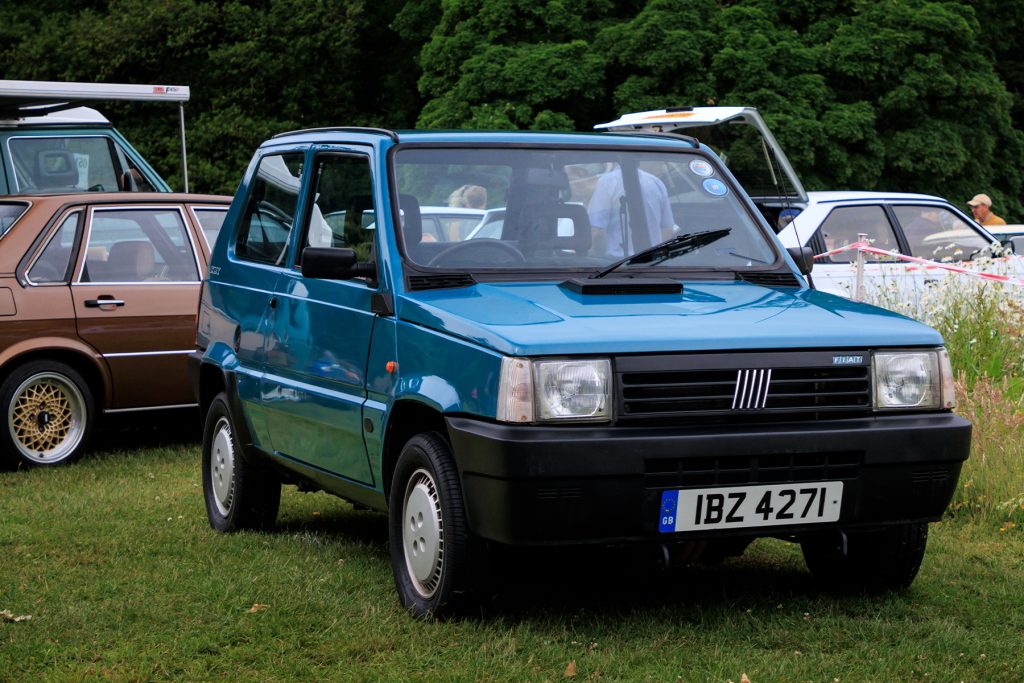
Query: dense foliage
911	95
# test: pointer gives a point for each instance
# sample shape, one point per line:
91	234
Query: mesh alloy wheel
47	418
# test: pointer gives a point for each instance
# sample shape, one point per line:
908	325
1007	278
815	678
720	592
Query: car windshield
572	209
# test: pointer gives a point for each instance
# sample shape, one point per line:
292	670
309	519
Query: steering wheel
487	250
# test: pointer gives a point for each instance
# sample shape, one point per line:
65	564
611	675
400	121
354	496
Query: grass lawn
124	580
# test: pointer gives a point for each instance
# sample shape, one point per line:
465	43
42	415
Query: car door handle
103	301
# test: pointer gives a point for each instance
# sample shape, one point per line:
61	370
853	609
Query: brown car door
136	293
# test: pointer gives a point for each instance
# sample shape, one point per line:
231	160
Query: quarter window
139	245
211	221
52	264
270	212
844	224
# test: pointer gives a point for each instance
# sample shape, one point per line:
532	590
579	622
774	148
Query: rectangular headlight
554	390
910	379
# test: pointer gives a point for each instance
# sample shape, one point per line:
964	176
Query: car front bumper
531	485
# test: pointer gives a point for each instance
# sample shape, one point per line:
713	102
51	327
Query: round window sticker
715	187
701	168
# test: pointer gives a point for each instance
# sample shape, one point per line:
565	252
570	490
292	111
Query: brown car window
844	224
211	221
9	214
270	211
343	213
52	264
139	245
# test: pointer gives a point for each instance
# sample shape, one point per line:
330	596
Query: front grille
742	387
784	468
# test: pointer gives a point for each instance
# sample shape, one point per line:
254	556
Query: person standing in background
981	207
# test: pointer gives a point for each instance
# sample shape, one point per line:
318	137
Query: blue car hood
530	319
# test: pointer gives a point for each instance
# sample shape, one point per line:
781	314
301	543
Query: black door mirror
804	257
327	263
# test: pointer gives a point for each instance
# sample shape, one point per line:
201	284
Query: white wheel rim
222	466
423	533
46	418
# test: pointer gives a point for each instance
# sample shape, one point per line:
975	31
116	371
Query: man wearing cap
981	207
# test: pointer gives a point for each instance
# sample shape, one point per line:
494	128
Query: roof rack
343	129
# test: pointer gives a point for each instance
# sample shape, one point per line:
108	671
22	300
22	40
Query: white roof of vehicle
63	117
868	195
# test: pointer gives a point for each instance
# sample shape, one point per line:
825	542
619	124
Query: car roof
867	195
487	137
62	198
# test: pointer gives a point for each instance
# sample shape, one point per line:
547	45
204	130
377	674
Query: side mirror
327	263
804	257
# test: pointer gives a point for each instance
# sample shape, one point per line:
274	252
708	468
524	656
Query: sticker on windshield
715	187
701	168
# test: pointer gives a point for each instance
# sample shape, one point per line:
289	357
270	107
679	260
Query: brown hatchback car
98	301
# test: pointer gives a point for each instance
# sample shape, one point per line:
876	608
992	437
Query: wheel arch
91	367
406	419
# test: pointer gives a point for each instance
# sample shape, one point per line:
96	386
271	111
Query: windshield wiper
675	246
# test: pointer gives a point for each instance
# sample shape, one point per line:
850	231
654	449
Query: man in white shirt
607	210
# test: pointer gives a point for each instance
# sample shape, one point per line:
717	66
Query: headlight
554	390
913	380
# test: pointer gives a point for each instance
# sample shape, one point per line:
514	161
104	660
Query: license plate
750	506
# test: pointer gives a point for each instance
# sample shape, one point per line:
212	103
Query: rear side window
9	214
139	245
52	264
80	162
844	224
270	212
210	220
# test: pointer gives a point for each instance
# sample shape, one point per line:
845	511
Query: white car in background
918	225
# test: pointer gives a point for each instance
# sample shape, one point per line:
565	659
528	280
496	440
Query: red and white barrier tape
868	249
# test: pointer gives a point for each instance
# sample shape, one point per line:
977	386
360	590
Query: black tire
239	495
873	561
428	535
49	412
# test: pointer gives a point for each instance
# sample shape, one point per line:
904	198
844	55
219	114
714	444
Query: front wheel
873	561
238	494
50	414
428	534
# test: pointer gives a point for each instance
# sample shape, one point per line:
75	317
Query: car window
52	264
270	211
74	162
845	223
9	214
211	221
936	233
343	213
139	245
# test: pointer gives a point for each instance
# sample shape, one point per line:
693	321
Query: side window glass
343	211
139	245
211	221
938	234
270	213
52	264
844	224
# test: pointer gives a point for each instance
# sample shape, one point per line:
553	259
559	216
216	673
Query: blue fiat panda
614	349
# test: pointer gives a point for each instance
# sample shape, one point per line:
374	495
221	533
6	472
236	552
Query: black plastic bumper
528	485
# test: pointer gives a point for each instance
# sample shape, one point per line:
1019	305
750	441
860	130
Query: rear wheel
50	413
238	494
874	561
429	537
